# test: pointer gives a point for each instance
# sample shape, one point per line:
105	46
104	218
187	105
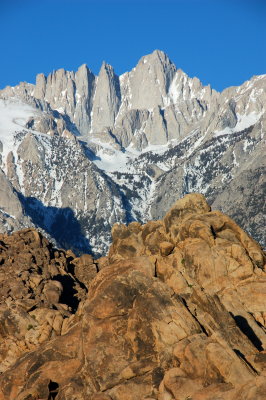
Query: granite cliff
84	151
175	311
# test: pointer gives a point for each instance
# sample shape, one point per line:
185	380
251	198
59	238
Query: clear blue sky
222	42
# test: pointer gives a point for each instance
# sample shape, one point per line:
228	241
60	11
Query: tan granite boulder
175	311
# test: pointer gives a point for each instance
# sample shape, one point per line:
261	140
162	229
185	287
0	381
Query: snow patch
243	122
13	116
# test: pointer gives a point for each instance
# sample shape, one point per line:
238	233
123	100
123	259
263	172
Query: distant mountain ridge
92	150
109	102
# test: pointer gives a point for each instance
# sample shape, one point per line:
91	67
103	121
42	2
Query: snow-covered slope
14	115
80	152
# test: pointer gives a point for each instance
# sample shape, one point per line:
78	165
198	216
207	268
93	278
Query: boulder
175	311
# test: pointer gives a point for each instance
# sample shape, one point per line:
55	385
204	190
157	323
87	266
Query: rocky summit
175	311
80	152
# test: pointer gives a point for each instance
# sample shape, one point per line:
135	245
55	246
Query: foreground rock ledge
177	310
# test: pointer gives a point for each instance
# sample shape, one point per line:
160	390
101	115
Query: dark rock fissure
243	358
187	307
248	331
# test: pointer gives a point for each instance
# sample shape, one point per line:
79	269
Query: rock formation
176	310
93	150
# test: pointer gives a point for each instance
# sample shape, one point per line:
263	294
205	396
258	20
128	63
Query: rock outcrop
39	294
176	310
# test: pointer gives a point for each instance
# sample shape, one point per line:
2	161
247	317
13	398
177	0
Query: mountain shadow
60	223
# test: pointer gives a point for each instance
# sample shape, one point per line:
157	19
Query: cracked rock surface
176	310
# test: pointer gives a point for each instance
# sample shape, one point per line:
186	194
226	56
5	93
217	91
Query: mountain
80	152
175	311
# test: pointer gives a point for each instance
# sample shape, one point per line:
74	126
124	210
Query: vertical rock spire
85	88
107	99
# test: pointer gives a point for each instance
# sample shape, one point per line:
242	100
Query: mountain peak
106	67
156	56
83	67
166	132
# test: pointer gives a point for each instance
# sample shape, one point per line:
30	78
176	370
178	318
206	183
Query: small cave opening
53	388
68	295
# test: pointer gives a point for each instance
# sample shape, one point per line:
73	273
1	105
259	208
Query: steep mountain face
175	311
81	151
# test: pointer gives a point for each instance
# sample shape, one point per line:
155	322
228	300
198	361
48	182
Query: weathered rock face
95	150
177	310
106	99
38	293
10	203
